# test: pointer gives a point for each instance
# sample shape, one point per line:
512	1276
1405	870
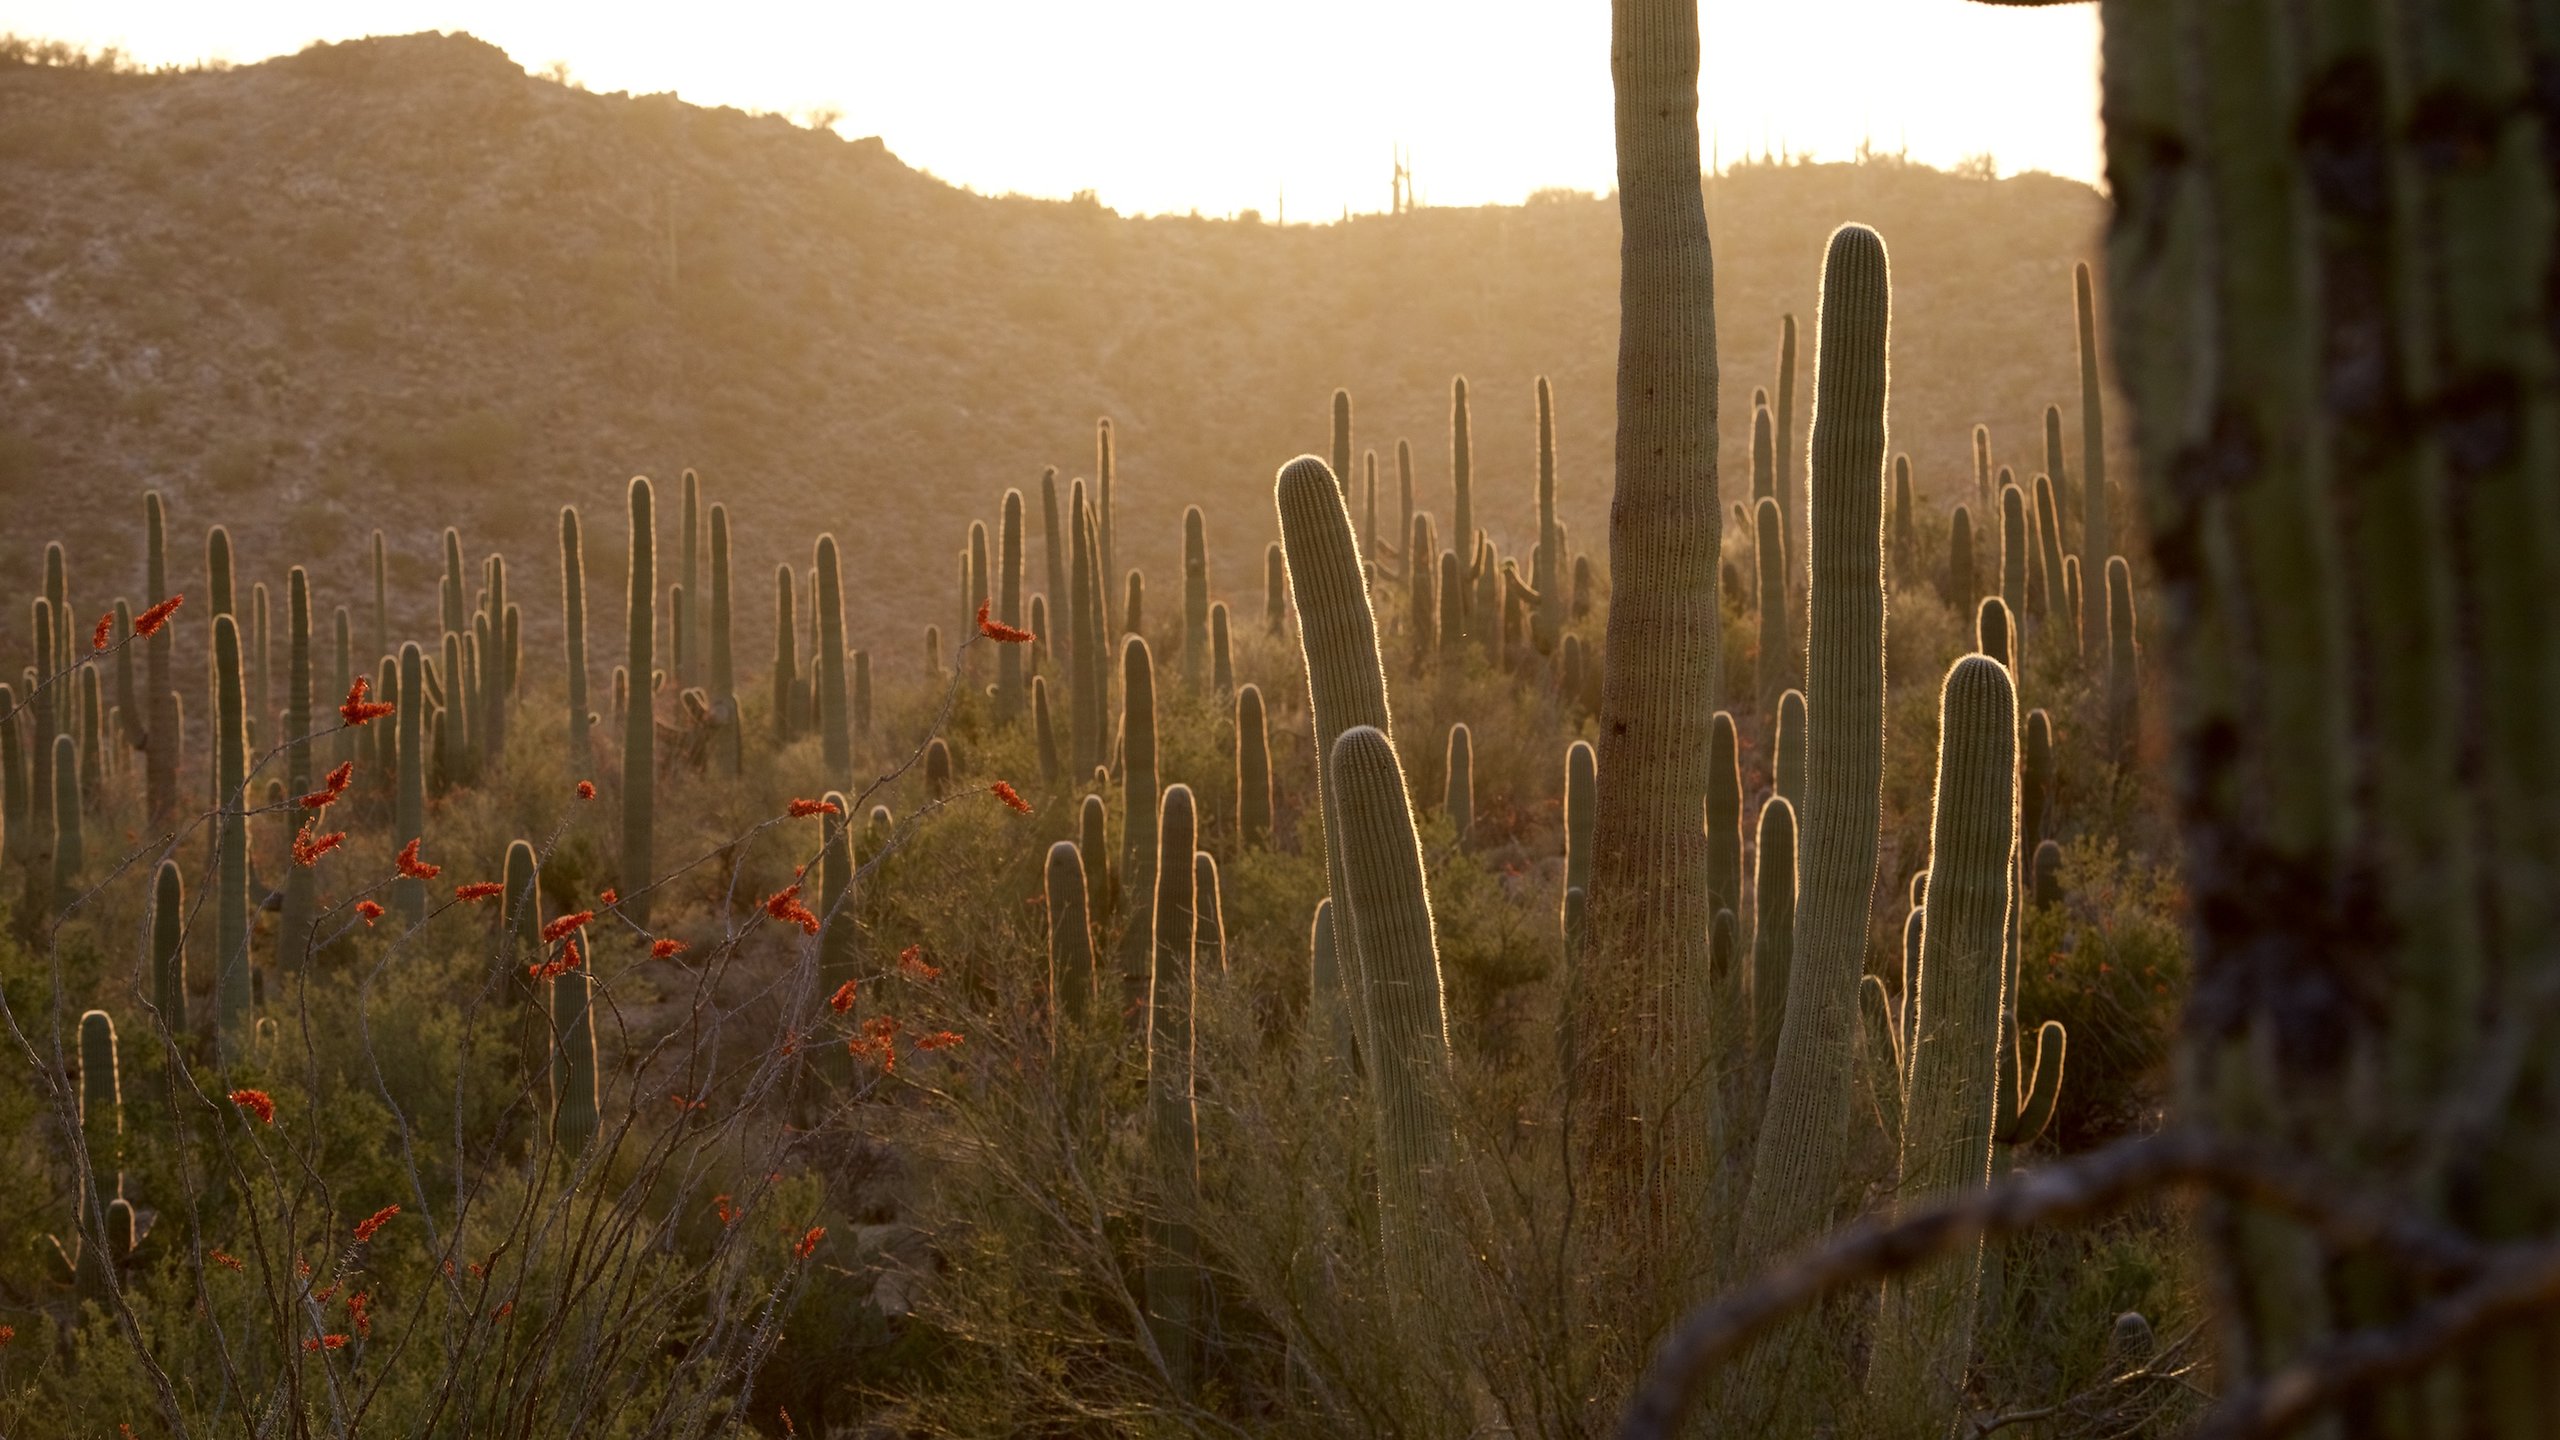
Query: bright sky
1174	105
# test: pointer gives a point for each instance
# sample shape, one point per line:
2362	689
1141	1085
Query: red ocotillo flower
1010	796
360	1313
681	1103
325	1342
413	867
728	1213
308	847
803	809
332	787
105	634
224	1258
586	789
553	932
150	621
665	949
358	710
809	1242
784	904
371	910
369	1225
562	965
610	896
999	631
842	1000
938	1040
479	890
256	1102
503	1311
911	960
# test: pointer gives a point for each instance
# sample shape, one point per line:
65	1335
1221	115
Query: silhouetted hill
401	283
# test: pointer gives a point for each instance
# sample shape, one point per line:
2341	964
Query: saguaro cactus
1010	690
1275	589
1389	915
169	947
1954	1033
1222	665
1053	539
1253	770
1773	934
1906	538
1342	442
62	773
231	840
1803	1133
724	670
2013	551
1209	929
1581	798
1044	733
301	886
2124	680
2035	809
1173	1141
409	799
1963	588
1777	662
786	656
1103	511
1138	794
840	932
1786	765
573	593
835	729
161	742
1644	1132
1789	459
102	1143
1071	969
1459	802
1346	686
573	1054
1462	514
1547	572
1092	839
639	723
2096	542
1723	822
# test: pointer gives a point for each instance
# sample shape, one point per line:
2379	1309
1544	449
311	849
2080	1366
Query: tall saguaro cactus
161	745
1138	792
1546	571
573	595
1954	1034
301	886
169	948
1011	688
835	728
2096	541
1253	770
724	666
231	840
786	657
1804	1130
409	794
1777	664
1195	600
639	719
1071	971
1173	1139
1645	1124
1462	516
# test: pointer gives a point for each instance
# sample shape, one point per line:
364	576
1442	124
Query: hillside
401	283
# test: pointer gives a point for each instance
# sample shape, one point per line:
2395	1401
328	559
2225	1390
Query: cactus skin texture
169	947
1346	685
1776	671
63	774
1253	770
1803	1134
2124	683
835	725
1389	914
1008	609
639	718
573	1056
231	835
1172	1280
1773	932
1458	800
573	590
1644	1126
1195	600
1787	749
1138	796
1955	1034
1071	968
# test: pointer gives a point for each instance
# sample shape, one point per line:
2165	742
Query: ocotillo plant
1407	1051
1195	599
1138	794
1253	770
1173	1142
1010	690
835	728
301	886
639	724
1346	685
1777	661
1459	794
1796	1166
1643	1133
1954	1033
1071	970
231	837
169	948
2124	687
573	592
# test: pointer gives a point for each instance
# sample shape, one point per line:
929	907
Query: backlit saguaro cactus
686	635
1803	1133
231	840
1195	600
1208	908
102	1141
1963	587
1906	537
724	670
301	885
1453	609
1010	692
1546	573
835	724
839	934
161	742
1253	770
1723	813
573	592
861	700
169	948
1773	933
785	699
1954	1039
1222	664
2036	795
1462	514
1341	451
1388	912
639	720
1138	795
1581	798
409	800
1084	627
1275	589
1346	685
1104	511
1459	794
63	775
1173	1141
217	572
1995	632
937	768
1053	539
2097	541
1093	819
17	832
1643	1133
527	994
573	1055
1790	460
978	592
2013	551
2124	687
1764	452
1786	765
1776	668
1044	733
1071	970
2045	526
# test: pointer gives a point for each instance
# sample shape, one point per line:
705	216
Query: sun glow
1170	105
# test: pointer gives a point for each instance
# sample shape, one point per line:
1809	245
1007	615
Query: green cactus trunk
1133	610
1084	703
128	728
231	844
1803	1132
1052	538
573	1055
1421	591
2124	680
1963	589
1011	687
937	768
1581	799
1222	664
2035	802
724	670
1723	823
2047	540
161	742
786	658
102	1147
1172	1279
169	948
1071	969
1643	1134
1103	514
1253	770
1773	936
573	608
835	730
1453	611
409	799
2013	551
1764	452
1546	572
977	591
1275	589
343	745
2096	543
639	721
1462	513
1786	765
44	710
1906	537
1195	600
63	774
1777	661
1459	795
301	886
1138	797
1789	458
1995	632
1404	497
1953	1021
1093	819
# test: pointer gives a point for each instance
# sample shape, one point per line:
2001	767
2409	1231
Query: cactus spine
231	840
1071	969
1644	1132
1803	1132
573	594
639	727
1389	916
301	886
1346	686
1253	770
1954	1033
1173	1141
1010	688
1138	795
1459	803
835	734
